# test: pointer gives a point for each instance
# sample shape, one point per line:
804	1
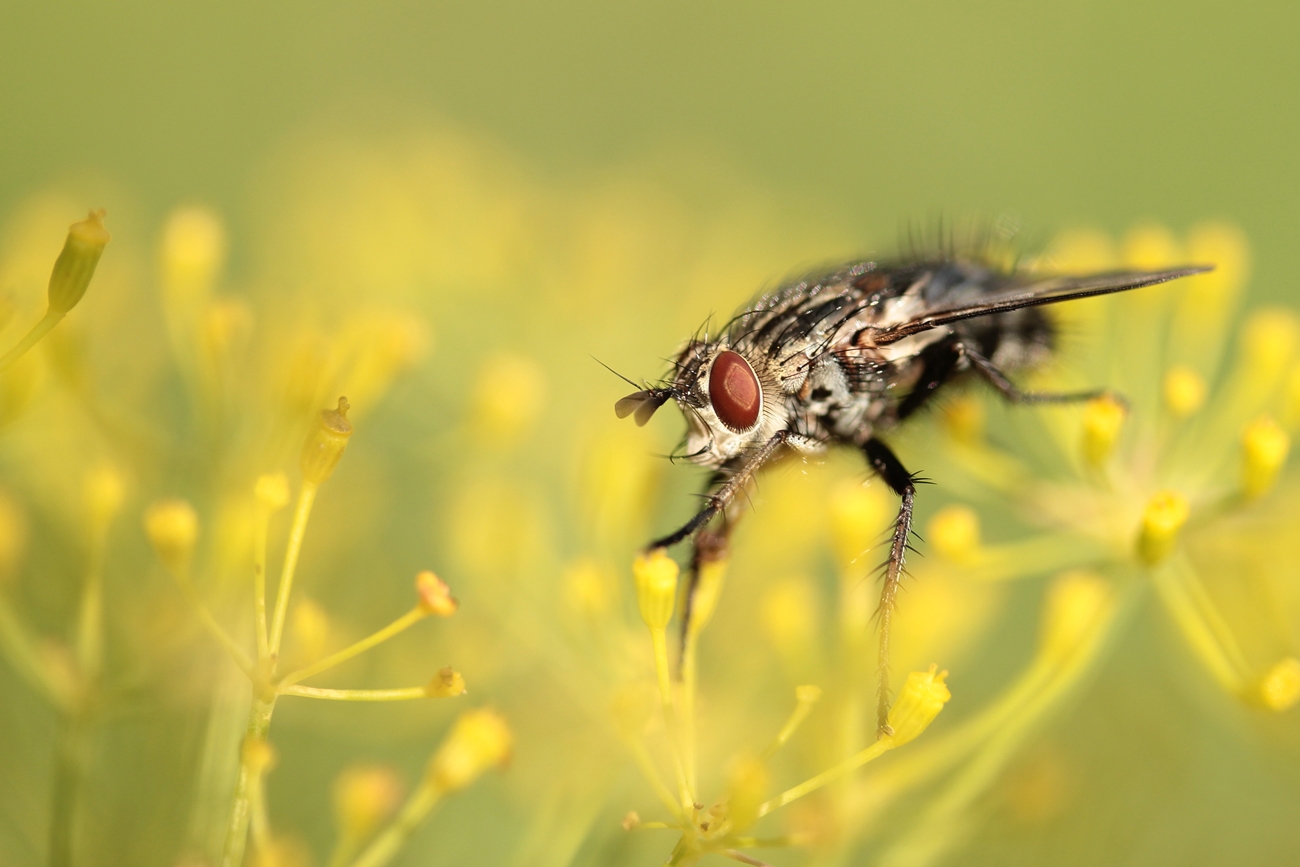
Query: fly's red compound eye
734	391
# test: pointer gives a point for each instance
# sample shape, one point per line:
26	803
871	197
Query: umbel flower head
1164	492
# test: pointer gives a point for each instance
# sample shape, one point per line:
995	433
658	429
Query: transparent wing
1050	290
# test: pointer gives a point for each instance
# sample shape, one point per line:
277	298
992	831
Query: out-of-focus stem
69	769
390	841
659	640
260	524
405	694
302	512
20	651
415	615
259	721
39	330
689	681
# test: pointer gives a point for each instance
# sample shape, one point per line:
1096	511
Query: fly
844	358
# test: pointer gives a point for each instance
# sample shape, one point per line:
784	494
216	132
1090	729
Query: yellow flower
479	741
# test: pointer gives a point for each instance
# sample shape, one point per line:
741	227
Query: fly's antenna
615	372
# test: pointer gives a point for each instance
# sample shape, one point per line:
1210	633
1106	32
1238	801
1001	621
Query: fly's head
730	401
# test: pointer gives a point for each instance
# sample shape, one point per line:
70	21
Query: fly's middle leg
887	465
1008	389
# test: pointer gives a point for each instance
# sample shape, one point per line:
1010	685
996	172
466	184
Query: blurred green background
526	186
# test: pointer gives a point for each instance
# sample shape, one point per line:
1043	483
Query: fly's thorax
731	398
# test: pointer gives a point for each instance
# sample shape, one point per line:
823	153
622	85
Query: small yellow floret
1225	247
587	588
808	693
172	527
509	394
311	628
105	490
963	418
923	695
857	514
1184	391
1264	448
447	683
655	574
435	595
788	614
479	740
1103	417
1075	604
193	251
954	533
1280	688
272	491
1150	247
13	535
259	754
1162	520
364	797
1268	341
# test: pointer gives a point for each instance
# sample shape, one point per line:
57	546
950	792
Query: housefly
842	358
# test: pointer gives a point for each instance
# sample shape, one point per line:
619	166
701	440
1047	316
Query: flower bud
325	443
435	595
76	264
1184	391
479	740
1162	520
272	491
172	528
1264	447
655	574
923	695
1280	688
447	683
1103	417
365	796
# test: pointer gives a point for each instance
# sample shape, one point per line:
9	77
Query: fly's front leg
903	483
720	499
1008	389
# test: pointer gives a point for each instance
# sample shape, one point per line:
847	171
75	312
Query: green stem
306	497
415	615
39	330
69	770
259	722
876	750
391	839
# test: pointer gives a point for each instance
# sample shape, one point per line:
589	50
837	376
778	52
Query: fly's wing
1049	290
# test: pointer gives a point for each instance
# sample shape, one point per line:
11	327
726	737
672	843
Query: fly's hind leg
1008	389
709	546
887	465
